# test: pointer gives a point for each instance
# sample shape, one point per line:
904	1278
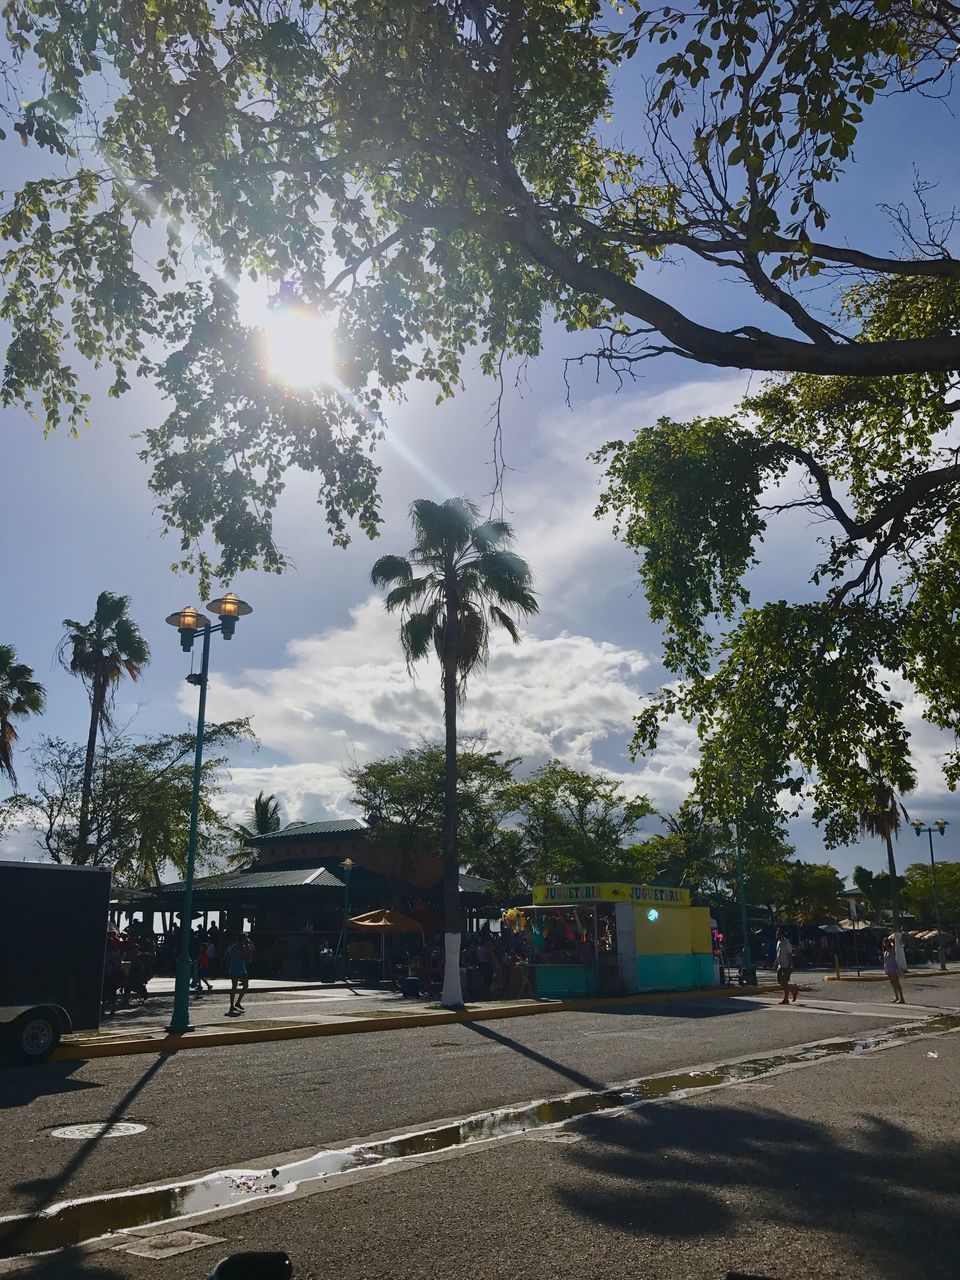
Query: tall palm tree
881	818
459	581
101	652
264	818
20	696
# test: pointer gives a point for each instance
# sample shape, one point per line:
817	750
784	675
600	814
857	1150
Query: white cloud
346	694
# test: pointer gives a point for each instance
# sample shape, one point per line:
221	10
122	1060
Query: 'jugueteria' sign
559	894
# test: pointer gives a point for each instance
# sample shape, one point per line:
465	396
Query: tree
882	818
458	583
802	699
139	814
264	818
101	652
20	696
441	174
577	826
918	892
402	796
876	892
692	852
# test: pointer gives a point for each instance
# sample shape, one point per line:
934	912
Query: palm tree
264	818
101	652
881	817
459	581
20	696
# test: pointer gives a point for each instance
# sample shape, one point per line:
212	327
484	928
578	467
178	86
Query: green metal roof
298	831
243	882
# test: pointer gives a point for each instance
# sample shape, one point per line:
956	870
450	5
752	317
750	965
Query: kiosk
617	938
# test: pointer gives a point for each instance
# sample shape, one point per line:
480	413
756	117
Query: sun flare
298	342
299	347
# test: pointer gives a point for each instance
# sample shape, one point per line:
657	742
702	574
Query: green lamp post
191	624
347	866
940	825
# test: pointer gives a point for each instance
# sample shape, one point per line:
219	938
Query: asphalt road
848	1167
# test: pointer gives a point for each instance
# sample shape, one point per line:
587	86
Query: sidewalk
165	986
119	1041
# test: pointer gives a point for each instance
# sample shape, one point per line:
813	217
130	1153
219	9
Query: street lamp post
748	975
190	624
347	870
940	825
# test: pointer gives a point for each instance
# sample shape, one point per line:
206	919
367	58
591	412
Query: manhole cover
119	1129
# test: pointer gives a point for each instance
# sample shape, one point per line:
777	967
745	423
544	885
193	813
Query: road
848	1165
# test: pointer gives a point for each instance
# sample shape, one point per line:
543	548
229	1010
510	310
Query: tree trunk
97	696
895	905
452	995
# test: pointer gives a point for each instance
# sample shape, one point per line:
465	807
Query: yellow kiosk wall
675	950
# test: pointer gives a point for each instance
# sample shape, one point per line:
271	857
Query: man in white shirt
784	963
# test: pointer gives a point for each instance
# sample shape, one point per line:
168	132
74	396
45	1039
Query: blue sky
317	664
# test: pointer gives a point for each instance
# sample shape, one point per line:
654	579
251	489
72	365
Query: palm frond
418	634
406	594
504	620
443	526
391	569
491	535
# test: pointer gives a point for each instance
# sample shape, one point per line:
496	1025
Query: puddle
81	1221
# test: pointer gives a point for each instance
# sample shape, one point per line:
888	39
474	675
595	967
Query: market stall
607	938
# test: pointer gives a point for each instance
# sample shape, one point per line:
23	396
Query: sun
299	347
297	341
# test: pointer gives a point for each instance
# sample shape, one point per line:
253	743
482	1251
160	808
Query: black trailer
53	924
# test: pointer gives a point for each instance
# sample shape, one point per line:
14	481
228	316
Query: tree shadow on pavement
709	1008
21	1085
72	1264
677	1171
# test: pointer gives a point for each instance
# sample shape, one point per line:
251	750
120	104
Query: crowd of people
133	955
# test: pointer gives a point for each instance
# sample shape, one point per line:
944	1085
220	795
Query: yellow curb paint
102	1048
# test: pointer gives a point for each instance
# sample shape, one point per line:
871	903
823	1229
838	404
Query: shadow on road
568	1073
709	1007
679	1172
21	1085
45	1191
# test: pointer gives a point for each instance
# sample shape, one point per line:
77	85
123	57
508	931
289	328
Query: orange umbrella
386	922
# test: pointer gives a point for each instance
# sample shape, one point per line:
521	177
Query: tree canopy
577	825
140	803
401	796
436	175
803	697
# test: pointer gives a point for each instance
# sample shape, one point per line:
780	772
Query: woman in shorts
892	969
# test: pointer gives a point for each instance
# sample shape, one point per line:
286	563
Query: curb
882	977
79	1048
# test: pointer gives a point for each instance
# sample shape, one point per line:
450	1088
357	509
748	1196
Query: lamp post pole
190	624
940	825
748	974
180	1021
347	869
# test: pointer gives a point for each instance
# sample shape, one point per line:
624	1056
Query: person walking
237	954
204	965
891	968
784	963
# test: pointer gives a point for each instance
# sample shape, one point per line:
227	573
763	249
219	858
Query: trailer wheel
35	1035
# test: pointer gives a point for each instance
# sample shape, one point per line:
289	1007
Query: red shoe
783	1001
794	992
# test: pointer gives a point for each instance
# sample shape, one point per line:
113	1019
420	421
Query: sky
317	665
